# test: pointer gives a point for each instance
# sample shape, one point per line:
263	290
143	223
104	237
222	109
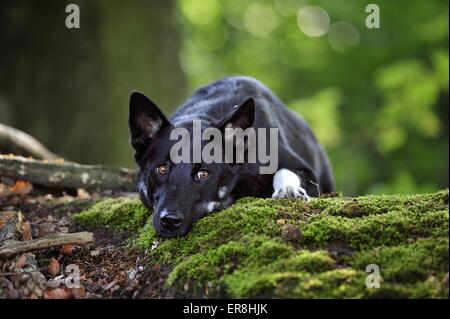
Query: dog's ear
145	121
242	116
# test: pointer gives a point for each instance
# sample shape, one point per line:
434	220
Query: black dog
182	193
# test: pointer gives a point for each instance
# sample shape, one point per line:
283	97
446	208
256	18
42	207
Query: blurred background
376	98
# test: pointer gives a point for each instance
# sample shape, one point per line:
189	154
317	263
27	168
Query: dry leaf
83	194
67	249
5	216
20	263
26	231
58	293
4	190
79	293
157	267
54	267
33	296
21	188
95	252
109	286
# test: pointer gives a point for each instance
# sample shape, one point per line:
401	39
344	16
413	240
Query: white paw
291	192
286	184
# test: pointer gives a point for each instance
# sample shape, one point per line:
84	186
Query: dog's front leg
287	184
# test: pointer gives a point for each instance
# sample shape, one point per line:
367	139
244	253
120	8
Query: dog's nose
170	221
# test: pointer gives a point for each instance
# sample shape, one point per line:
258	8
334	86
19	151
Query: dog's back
296	140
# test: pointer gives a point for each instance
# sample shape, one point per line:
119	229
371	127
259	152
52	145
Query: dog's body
179	196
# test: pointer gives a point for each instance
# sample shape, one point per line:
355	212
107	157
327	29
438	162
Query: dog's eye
162	169
203	174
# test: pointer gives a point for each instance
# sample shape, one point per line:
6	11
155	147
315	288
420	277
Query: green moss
405	263
430	288
119	213
320	249
380	204
336	283
391	228
245	217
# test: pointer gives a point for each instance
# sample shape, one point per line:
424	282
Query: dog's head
180	193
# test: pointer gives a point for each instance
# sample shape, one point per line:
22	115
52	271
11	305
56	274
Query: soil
107	269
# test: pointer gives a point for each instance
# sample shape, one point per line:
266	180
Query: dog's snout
170	221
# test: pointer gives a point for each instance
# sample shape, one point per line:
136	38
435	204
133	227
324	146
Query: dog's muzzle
170	221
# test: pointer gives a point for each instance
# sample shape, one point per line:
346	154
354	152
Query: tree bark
61	175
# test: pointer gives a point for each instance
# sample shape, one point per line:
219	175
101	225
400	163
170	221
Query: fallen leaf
116	287
4	190
109	286
95	252
21	261
67	249
83	194
58	293
26	231
54	267
132	273
79	293
21	188
157	267
5	216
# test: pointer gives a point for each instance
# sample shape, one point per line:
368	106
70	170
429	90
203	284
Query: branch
16	248
17	142
60	174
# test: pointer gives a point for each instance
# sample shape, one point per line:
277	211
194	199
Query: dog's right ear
145	121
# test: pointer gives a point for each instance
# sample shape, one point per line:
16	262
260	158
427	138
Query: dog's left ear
145	121
242	115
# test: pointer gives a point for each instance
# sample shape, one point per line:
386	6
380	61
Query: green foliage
379	107
376	98
284	248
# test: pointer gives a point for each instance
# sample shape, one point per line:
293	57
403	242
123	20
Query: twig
15	141
16	248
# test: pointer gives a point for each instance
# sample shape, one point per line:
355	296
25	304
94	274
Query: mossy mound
284	248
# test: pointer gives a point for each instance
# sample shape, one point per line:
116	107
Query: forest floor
108	268
256	248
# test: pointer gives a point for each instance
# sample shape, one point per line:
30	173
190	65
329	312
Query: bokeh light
343	35
200	11
313	21
260	20
288	8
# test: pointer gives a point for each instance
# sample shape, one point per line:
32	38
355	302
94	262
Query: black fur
245	102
